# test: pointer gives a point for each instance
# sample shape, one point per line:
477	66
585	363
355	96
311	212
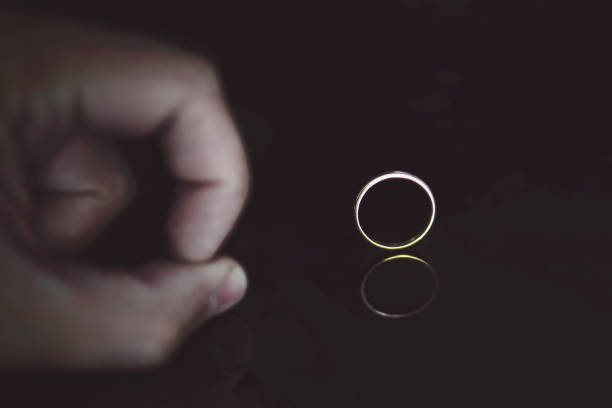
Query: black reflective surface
498	108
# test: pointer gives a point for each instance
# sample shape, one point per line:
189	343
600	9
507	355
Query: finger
202	146
119	318
204	151
82	188
192	293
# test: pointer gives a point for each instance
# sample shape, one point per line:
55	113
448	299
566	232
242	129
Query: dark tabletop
501	108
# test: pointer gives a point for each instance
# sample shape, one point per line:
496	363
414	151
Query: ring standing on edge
396	175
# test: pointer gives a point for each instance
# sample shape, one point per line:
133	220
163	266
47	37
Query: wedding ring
400	175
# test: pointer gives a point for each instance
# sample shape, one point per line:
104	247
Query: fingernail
230	291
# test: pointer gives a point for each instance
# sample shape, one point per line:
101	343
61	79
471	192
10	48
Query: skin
66	93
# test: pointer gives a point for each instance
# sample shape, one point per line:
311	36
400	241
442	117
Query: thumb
82	188
192	293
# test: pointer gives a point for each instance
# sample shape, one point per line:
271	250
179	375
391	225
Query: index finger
134	95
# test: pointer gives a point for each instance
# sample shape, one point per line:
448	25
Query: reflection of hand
63	90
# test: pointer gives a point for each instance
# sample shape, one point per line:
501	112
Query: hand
63	90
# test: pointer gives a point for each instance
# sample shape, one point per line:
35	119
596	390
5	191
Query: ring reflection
399	286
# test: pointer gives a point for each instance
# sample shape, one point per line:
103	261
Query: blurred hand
65	93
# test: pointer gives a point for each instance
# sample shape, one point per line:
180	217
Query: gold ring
396	175
411	312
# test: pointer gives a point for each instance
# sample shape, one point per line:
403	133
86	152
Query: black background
501	106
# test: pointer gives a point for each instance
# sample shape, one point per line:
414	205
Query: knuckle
202	75
243	186
239	181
